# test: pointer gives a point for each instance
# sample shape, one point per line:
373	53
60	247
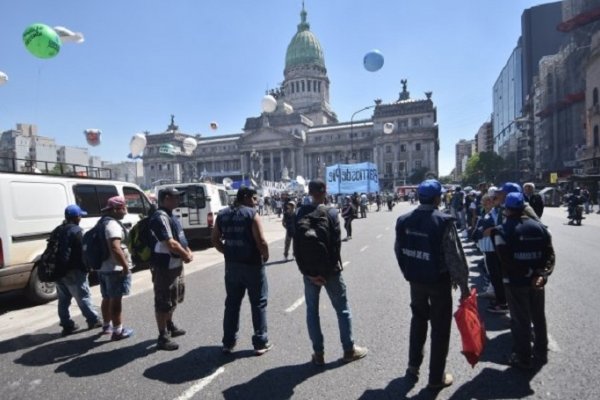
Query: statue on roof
172	127
405	94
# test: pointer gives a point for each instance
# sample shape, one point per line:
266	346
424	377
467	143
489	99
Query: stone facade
303	135
590	156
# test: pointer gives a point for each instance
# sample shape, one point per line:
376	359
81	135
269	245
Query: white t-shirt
114	230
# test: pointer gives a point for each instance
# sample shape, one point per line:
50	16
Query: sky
212	60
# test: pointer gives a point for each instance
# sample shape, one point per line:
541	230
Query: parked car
551	196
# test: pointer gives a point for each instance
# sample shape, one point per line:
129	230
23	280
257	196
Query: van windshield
194	197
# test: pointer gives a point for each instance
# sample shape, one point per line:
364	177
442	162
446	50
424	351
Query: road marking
378	236
296	304
364	248
199	385
552	345
345	263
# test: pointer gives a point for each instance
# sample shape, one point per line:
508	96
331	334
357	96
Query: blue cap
514	201
74	211
429	189
511	187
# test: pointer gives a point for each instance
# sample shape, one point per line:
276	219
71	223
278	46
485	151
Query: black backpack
95	246
50	267
313	244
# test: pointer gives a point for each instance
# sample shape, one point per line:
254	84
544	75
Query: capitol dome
304	47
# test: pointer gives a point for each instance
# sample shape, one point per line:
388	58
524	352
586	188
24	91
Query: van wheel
40	292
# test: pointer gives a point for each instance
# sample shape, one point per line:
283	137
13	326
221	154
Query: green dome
304	47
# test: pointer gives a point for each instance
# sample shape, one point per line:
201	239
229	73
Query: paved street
37	363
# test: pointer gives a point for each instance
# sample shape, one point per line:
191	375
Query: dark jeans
493	265
239	278
288	241
348	226
527	307
433	303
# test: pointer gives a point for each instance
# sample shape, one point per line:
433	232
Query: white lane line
200	384
552	345
296	304
378	236
363	248
345	263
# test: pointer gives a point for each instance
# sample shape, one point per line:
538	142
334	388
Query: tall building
484	138
590	156
303	135
464	150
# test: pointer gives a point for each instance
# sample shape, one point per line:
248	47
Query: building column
293	163
271	167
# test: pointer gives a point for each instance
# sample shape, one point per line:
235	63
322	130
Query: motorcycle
575	214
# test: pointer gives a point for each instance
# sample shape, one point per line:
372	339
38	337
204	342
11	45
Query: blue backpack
95	246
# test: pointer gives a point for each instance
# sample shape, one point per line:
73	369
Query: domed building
303	135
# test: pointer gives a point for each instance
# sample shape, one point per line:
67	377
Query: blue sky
212	60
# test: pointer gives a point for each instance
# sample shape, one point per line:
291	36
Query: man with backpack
432	260
317	246
169	253
239	236
73	280
115	272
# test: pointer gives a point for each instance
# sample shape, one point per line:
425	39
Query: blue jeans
239	278
75	285
336	290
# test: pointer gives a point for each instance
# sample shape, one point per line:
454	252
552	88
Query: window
388	149
388	168
160	167
319	86
403	123
308	85
417	146
417	121
402	148
302	84
596	138
193	197
136	201
595	96
92	198
418	163
292	85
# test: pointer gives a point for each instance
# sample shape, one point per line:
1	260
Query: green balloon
41	41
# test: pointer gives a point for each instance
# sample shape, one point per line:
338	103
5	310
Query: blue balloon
373	60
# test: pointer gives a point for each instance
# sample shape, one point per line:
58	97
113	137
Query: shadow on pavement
491	383
107	361
277	383
194	365
396	389
27	341
53	353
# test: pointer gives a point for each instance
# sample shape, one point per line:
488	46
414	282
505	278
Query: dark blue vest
236	227
527	240
419	246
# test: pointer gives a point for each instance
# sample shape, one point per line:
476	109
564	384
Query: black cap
169	191
317	186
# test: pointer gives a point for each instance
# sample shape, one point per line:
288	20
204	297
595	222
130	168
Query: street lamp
351	130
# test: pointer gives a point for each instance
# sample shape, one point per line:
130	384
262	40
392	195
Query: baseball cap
429	188
514	201
169	191
74	210
511	187
115	202
316	186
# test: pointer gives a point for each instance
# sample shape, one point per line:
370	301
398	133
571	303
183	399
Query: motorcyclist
575	206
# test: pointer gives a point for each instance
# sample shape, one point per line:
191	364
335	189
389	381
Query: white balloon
268	103
388	128
3	78
189	145
67	35
137	144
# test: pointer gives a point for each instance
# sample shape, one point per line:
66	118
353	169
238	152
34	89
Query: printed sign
350	178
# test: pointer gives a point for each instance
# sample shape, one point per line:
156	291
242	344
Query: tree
446	179
483	167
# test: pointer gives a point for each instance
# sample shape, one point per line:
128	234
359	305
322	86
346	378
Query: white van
198	207
32	205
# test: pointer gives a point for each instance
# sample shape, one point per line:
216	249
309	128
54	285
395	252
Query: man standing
432	260
169	253
74	284
238	234
524	247
534	199
288	223
115	272
323	270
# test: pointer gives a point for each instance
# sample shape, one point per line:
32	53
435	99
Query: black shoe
165	343
94	325
69	330
262	350
175	330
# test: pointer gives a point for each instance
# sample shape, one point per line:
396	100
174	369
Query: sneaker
165	343
228	349
262	350
107	329
69	330
355	354
516	361
94	325
497	308
174	330
412	373
318	358
446	381
488	293
125	333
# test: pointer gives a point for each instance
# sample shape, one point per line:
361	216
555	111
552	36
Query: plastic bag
471	328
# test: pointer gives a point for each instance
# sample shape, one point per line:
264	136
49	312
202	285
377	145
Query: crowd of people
504	221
